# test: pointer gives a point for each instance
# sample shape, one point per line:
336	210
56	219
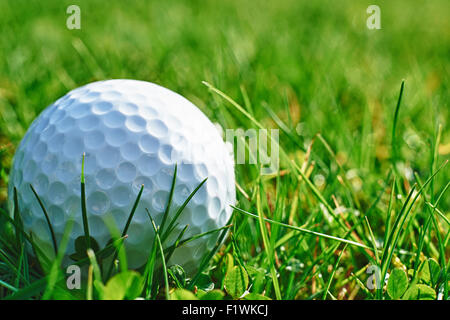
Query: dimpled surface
133	133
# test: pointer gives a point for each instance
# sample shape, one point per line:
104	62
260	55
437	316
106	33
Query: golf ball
132	133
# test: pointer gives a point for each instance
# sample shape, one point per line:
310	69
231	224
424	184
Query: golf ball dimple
133	133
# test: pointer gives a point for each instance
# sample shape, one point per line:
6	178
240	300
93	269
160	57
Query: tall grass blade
394	126
125	229
47	218
207	258
327	288
169	201
163	259
268	247
83	204
180	210
323	235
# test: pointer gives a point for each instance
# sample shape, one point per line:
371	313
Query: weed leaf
124	285
420	292
182	294
212	295
236	282
397	284
81	248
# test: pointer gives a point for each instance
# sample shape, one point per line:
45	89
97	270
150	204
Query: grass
364	142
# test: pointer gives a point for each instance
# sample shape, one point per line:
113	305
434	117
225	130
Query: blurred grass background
315	64
317	57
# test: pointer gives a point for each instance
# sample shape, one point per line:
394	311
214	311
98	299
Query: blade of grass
389	211
158	239
283	127
94	264
178	243
312	270
125	229
8	286
236	105
439	212
203	234
372	237
47	218
362	285
169	201
133	211
83	204
175	245
89	289
17	218
55	271
208	256
341	168
398	224
20	242
35	288
305	230
10	264
293	165
268	247
432	218
332	273
93	271
394	126
148	273
26	236
118	249
22	253
180	210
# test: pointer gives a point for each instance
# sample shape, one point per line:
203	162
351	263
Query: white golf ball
133	134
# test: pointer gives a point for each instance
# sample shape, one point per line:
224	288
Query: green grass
363	178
